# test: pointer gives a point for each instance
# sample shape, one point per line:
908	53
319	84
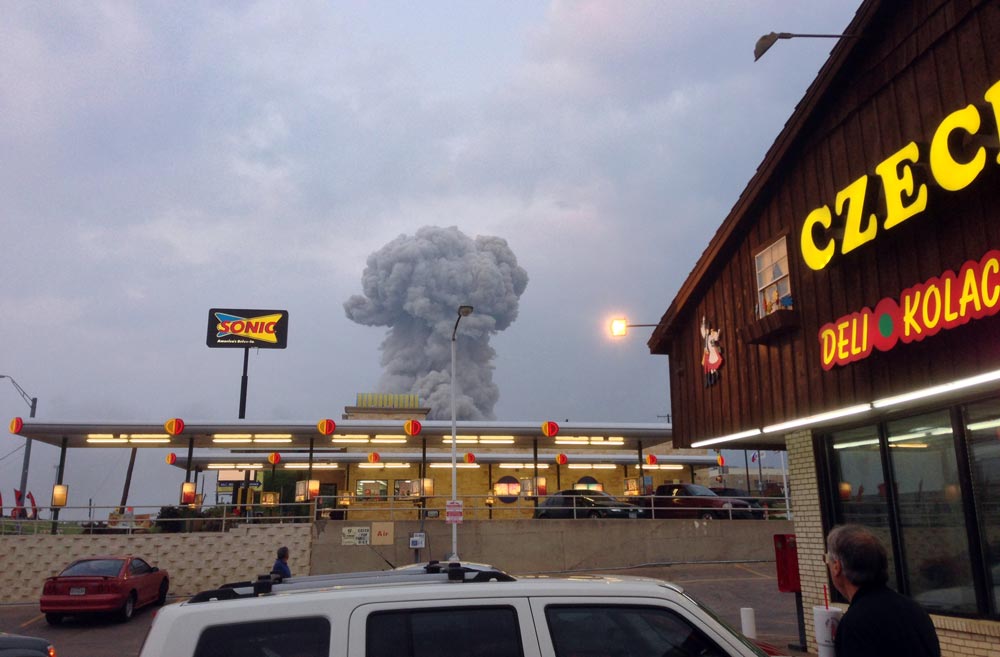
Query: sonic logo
256	328
243	328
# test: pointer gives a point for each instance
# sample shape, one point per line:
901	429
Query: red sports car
116	584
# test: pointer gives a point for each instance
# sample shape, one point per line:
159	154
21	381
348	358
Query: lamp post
765	42
33	403
463	311
620	327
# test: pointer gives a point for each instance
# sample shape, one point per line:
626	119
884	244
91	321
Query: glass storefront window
982	426
858	479
931	518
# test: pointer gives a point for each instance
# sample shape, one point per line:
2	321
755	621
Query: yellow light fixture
108	440
467	466
518	466
148	440
316	466
60	494
188	491
232	439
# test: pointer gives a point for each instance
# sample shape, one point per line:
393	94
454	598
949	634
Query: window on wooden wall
774	289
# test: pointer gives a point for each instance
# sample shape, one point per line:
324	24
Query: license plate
77	590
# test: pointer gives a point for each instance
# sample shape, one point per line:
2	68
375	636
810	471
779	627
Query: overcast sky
161	159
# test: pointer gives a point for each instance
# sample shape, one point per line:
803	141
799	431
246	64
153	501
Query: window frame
761	305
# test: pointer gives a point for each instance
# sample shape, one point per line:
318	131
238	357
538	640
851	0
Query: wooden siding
929	58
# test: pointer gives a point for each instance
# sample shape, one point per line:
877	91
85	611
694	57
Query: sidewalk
725	588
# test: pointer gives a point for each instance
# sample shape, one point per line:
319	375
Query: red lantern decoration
374	457
171	458
719	459
326	426
469	457
174	426
274	458
549	429
16	425
650	459
562	459
412	427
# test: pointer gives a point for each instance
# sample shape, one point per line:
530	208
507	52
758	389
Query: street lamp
463	311
620	327
765	42
33	403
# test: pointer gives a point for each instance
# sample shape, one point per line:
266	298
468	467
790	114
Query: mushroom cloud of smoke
414	285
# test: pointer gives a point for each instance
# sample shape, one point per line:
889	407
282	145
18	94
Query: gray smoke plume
414	285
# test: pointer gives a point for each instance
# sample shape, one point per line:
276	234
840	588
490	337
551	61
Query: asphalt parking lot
724	588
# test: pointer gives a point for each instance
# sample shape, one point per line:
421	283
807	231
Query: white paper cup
825	623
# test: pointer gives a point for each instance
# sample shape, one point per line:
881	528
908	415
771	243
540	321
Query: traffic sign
453	512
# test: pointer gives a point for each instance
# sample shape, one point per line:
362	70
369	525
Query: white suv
453	610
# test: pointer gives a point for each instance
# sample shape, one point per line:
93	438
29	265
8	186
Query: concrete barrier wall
194	561
204	560
533	546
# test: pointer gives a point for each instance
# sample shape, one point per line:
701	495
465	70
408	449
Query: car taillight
49	588
52	651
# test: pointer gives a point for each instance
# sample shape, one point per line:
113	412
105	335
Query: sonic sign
263	329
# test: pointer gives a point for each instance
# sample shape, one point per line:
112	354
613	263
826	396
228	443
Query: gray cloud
414	285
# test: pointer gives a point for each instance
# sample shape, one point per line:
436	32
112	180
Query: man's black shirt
883	623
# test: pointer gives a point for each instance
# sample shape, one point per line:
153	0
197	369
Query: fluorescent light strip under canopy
315	466
235	466
933	391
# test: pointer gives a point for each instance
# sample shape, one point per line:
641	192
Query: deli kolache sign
943	302
263	329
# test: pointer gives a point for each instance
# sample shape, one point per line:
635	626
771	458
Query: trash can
786	560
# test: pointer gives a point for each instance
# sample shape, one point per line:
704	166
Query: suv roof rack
432	571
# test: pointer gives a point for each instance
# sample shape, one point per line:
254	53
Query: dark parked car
25	646
756	507
116	584
695	501
587	504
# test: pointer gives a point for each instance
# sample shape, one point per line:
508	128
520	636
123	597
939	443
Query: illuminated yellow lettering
930	321
993	98
842	341
911	303
828	340
970	292
816	257
902	198
990	300
949	313
947	171
854	234
856	345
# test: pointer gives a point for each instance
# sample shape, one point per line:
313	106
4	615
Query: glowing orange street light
620	327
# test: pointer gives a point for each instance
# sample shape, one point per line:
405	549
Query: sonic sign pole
241	328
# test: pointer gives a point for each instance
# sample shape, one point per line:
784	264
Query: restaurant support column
59	480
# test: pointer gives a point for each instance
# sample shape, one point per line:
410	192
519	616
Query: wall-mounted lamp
620	327
60	493
765	42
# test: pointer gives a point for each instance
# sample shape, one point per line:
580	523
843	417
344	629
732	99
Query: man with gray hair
879	622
